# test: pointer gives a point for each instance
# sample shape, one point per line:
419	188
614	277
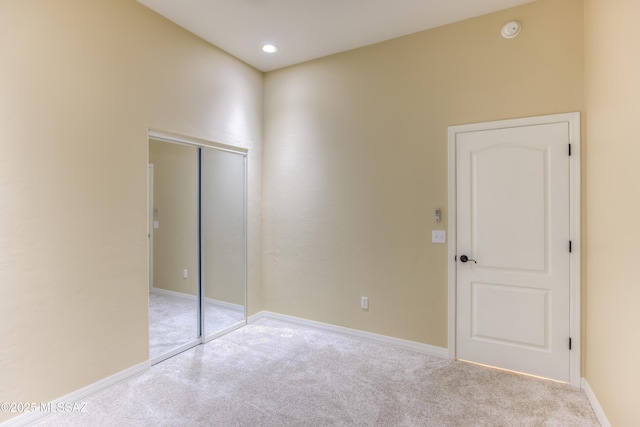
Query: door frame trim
150	218
573	120
200	144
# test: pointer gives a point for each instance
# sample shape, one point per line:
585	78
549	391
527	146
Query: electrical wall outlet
364	303
185	274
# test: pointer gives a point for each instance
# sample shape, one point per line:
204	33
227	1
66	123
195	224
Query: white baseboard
224	304
595	404
79	395
367	336
160	291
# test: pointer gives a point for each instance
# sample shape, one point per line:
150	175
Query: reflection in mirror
173	290
223	234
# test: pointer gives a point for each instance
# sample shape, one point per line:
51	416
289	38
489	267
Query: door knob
464	258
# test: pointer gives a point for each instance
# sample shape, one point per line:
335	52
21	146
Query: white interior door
513	224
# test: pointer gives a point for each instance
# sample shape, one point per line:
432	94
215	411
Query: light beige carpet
173	321
278	374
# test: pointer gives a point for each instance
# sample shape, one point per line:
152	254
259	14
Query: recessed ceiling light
269	48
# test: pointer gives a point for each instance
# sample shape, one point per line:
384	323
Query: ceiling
308	29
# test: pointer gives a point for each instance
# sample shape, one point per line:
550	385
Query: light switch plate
438	236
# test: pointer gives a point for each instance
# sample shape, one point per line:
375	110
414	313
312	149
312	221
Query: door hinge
569	343
569	246
569	149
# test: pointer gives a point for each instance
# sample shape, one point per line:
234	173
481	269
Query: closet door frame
201	144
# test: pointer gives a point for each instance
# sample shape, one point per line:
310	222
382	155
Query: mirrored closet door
197	244
223	237
173	293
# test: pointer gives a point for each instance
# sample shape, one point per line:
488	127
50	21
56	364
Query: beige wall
175	197
81	83
613	206
356	161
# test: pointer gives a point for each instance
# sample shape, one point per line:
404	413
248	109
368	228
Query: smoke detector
511	29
